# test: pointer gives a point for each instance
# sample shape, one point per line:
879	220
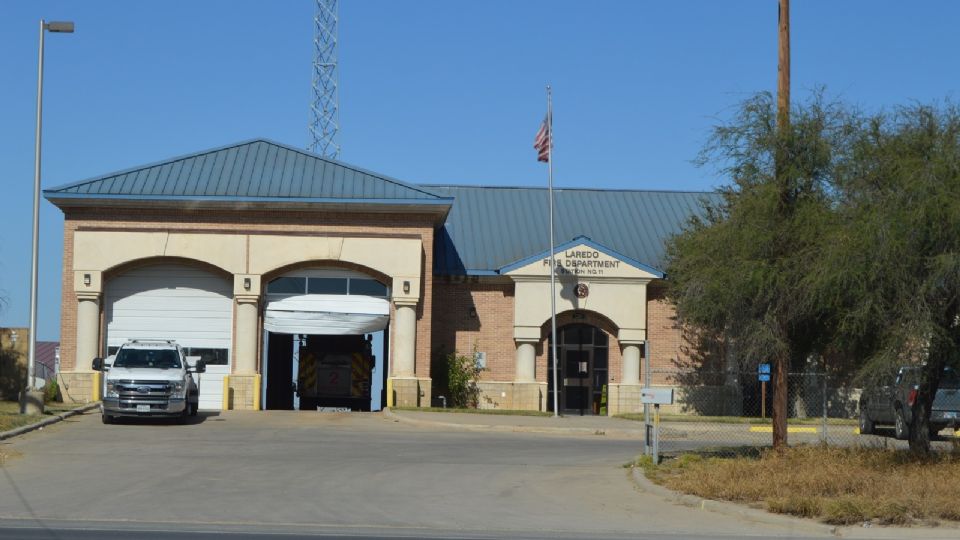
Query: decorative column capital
247	298
90	296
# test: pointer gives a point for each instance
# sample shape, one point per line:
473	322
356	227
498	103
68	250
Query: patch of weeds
807	507
844	511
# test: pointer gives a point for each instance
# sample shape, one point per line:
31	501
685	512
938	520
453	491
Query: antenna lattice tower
324	106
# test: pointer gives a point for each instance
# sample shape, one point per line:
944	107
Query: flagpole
553	264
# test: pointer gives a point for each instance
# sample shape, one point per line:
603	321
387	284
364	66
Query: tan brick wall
491	330
242	222
240	392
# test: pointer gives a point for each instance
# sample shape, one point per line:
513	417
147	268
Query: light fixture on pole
29	405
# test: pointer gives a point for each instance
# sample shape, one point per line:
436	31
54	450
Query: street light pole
32	406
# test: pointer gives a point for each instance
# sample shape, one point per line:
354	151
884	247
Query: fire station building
307	283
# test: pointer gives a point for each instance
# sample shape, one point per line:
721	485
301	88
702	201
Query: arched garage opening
325	340
189	303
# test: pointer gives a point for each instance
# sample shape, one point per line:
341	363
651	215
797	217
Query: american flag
543	141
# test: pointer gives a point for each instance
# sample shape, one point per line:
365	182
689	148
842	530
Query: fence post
646	407
823	436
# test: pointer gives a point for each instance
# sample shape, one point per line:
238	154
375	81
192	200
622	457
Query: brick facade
476	314
248	222
667	351
459	314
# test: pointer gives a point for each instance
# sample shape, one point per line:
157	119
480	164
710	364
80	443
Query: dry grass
753	420
835	485
10	417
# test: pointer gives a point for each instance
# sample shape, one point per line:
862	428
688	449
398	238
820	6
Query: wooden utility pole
781	364
783	67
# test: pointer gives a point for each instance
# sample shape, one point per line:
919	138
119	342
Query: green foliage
462	373
51	392
13	374
837	238
739	273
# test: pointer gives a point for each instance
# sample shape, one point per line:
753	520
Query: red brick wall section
490	330
68	303
258	221
664	335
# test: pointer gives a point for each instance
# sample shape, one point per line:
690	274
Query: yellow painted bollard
226	392
389	392
95	387
256	392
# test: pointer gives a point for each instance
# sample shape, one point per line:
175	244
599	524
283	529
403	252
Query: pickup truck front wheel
900	429
866	424
106	418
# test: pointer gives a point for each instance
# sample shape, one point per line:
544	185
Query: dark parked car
892	405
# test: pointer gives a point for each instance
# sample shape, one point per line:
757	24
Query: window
147	358
287	285
326	285
316	285
210	357
367	287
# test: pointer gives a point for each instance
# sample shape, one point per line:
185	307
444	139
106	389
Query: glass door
582	355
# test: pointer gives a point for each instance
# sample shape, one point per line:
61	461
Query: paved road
348	474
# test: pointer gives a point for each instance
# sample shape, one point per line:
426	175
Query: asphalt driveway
315	472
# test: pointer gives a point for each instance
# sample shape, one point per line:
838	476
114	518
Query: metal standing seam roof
256	170
489	228
486	229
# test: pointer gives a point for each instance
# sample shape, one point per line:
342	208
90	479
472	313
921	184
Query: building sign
583	262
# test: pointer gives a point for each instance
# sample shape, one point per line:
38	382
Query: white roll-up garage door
183	303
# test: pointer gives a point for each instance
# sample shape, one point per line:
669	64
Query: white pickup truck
149	378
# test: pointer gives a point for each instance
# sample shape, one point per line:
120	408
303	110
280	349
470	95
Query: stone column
245	355
88	330
405	339
526	362
631	364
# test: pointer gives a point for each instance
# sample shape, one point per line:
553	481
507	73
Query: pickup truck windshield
147	358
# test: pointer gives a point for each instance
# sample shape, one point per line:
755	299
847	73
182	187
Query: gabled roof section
489	228
253	171
578	242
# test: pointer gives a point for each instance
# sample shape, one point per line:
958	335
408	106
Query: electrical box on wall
481	359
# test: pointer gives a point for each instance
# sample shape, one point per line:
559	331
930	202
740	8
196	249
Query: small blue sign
763	372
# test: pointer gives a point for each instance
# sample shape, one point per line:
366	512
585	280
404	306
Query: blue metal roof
256	170
489	228
486	229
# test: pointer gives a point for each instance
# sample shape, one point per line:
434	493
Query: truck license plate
143	408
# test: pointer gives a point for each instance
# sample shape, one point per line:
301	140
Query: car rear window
950	379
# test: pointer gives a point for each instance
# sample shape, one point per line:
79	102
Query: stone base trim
79	386
624	398
518	396
241	392
408	392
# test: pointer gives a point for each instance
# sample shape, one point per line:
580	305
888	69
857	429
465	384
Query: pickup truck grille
132	393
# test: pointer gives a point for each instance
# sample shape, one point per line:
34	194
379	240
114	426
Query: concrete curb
944	530
594	432
727	508
47	421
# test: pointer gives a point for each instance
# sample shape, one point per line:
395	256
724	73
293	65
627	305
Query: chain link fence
726	412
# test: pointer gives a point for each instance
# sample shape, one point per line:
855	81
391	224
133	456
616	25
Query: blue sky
430	91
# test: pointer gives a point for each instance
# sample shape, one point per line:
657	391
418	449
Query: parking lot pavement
318	471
